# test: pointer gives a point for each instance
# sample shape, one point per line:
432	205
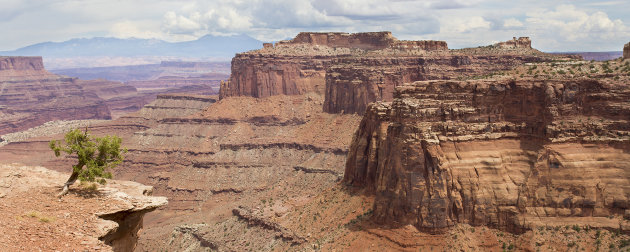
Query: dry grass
40	216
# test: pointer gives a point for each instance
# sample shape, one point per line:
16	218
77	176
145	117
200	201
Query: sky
553	25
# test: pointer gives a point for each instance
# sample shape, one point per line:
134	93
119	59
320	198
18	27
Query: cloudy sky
553	25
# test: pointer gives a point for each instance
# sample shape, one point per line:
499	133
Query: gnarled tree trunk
73	178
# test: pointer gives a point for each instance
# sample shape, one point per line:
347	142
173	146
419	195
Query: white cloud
463	25
568	26
591	25
512	23
128	29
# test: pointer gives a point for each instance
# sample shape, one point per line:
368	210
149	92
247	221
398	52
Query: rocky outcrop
354	82
516	43
128	218
268	75
626	51
510	154
353	70
299	66
107	218
363	40
21	64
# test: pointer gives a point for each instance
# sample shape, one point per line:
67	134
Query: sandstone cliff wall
354	82
33	96
506	154
626	51
36	99
268	75
299	66
353	70
21	63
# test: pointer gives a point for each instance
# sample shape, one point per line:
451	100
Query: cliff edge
103	219
506	153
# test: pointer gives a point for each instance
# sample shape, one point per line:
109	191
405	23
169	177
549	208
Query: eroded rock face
516	43
510	154
266	75
120	98
363	40
626	51
353	70
31	96
300	65
354	82
21	64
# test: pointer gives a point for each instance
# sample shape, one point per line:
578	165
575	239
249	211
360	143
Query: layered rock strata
354	82
299	66
31	96
353	70
510	154
120	98
363	40
212	157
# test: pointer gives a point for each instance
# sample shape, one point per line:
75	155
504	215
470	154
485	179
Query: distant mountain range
205	47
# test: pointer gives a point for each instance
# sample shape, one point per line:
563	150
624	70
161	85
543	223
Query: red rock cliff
21	63
32	96
510	154
354	82
267	75
299	66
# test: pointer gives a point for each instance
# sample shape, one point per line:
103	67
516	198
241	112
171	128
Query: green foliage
96	154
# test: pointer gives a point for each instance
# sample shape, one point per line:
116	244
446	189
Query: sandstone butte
626	51
260	168
353	70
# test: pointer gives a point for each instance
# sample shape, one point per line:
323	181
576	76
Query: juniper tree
95	156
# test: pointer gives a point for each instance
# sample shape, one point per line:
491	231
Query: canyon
30	96
338	141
